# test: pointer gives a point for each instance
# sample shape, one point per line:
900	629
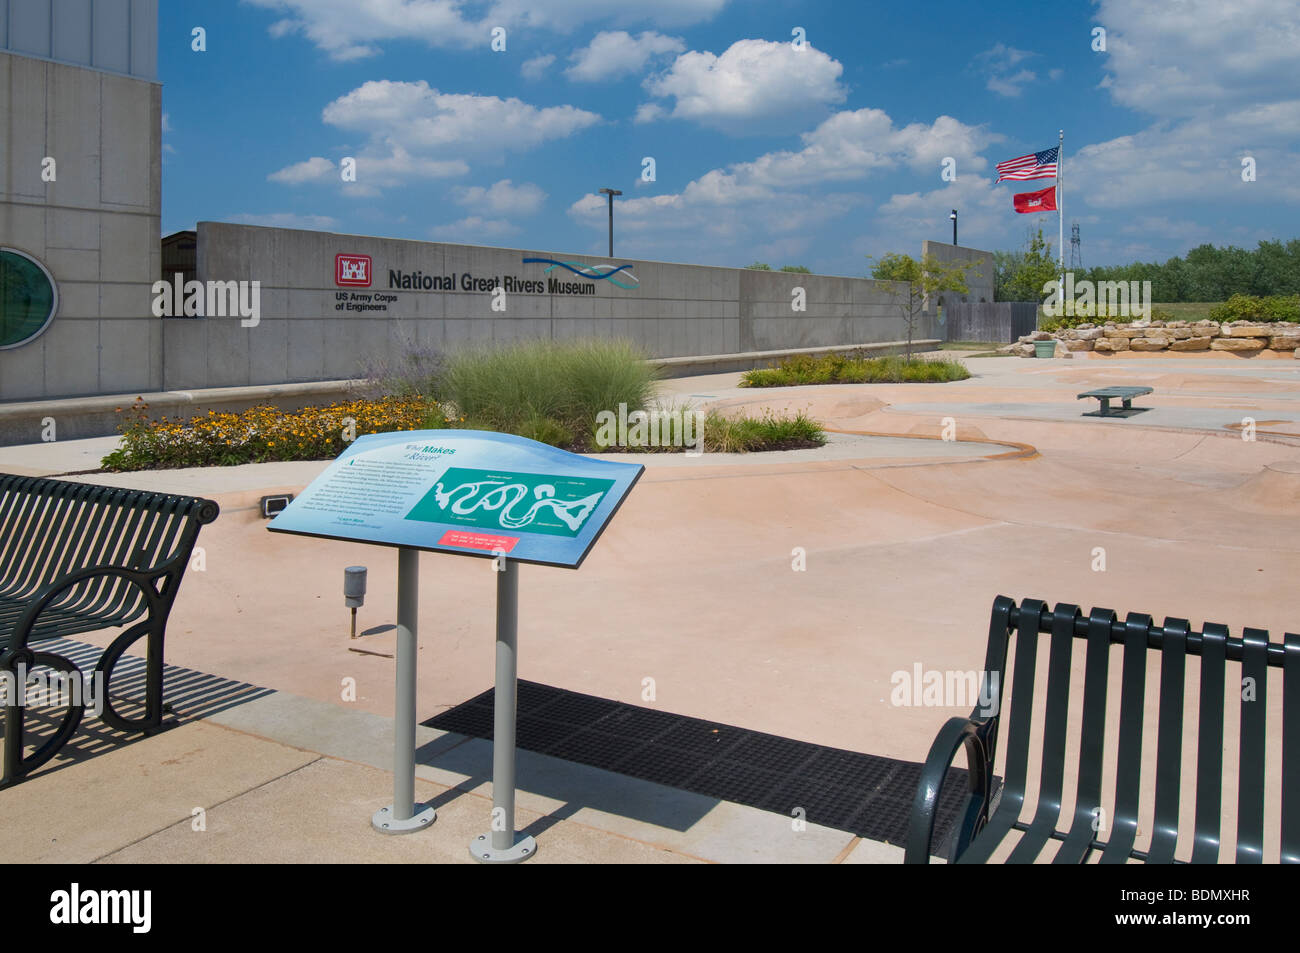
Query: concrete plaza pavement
695	585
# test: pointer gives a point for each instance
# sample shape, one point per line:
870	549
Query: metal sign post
401	817
502	845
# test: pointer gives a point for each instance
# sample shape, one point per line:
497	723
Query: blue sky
817	156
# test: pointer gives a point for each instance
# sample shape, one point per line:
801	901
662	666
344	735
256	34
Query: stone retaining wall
1240	337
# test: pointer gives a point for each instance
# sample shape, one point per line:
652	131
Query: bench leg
1128	403
1105	406
152	720
71	690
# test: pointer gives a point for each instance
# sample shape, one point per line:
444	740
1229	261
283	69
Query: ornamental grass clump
260	434
839	369
546	390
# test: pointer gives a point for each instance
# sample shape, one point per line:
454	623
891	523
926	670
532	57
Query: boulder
1191	344
1148	344
1180	333
1237	344
1110	345
1025	350
1250	331
1286	341
1078	345
1089	334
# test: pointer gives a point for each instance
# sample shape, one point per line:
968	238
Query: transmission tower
1076	248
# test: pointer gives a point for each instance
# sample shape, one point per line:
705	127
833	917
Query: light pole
953	216
611	193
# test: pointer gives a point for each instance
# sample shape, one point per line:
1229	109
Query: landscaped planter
1044	349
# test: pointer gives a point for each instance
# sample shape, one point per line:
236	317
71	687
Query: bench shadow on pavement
187	696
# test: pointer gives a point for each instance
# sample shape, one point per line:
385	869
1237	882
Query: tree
930	276
758	266
1027	271
796	269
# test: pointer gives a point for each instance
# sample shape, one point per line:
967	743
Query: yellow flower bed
262	434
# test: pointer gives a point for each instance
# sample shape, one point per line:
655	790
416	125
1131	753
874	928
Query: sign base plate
481	849
384	821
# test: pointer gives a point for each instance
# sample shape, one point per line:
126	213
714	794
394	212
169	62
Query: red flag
1041	201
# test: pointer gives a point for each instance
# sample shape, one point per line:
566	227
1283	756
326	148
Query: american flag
1036	165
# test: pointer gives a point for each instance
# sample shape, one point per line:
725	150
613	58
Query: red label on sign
456	537
352	270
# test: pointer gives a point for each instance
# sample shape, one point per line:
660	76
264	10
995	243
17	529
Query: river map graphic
519	502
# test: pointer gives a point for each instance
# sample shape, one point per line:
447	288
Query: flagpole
1060	215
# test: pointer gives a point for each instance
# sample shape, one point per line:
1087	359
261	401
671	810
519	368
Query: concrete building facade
331	303
80	174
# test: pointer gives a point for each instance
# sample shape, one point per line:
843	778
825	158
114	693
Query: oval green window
28	298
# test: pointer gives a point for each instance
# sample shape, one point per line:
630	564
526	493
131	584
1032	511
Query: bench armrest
956	733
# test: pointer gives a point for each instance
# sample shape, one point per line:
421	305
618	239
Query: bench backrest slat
1132	716
51	528
1057	713
1169	741
1291	750
1021	711
1254	723
1209	752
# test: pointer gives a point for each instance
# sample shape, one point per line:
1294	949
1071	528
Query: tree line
1207	273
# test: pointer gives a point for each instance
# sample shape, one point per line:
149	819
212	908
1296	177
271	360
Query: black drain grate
861	793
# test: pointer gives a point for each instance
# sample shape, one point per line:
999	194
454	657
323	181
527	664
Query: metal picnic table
1107	394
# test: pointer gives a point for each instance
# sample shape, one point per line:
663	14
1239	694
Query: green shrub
745	434
838	369
1091	315
1254	308
547	387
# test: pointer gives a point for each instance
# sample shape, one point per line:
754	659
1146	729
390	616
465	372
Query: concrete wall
675	310
96	227
979	279
120	36
1001	322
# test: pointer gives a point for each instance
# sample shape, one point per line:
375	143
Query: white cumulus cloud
617	53
413	131
753	85
355	29
502	198
472	229
536	67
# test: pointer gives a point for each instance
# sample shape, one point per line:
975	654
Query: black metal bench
75	558
987	821
1107	394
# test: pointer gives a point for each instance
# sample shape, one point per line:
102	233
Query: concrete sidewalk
284	779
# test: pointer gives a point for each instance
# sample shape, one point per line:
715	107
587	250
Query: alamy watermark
945	689
1114	299
51	687
651	428
208	299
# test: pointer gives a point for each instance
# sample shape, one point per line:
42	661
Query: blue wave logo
593	272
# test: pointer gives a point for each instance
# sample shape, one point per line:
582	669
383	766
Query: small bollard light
354	591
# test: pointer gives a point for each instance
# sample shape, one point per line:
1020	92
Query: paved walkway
695	585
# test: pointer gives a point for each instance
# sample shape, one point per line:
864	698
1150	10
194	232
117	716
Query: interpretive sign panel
463	491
